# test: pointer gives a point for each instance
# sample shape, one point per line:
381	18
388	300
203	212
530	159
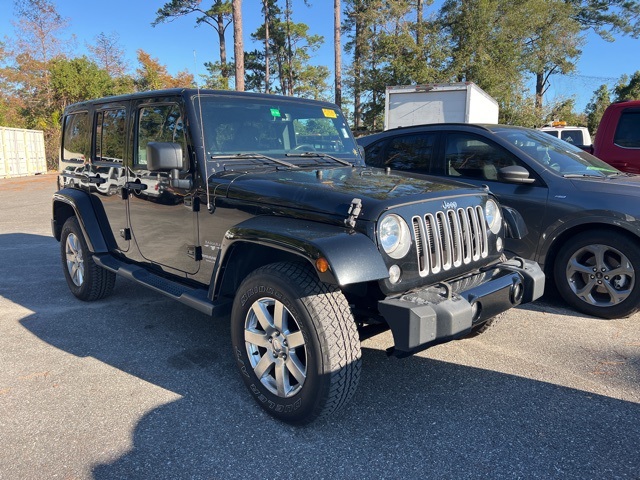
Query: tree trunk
419	13
224	70
357	68
266	46
539	90
337	52
238	45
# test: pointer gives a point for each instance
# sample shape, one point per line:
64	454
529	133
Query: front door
163	225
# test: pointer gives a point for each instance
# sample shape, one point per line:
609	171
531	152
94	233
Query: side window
374	154
407	152
159	123
76	140
628	132
467	155
110	136
411	152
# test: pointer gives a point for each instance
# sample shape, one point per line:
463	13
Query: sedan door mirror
515	174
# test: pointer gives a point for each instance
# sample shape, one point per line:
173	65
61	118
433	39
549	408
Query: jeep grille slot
449	239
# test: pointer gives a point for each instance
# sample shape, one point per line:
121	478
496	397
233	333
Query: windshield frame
273	127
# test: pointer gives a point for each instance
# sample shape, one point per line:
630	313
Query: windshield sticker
275	113
328	113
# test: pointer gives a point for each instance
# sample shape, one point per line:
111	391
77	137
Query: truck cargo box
438	103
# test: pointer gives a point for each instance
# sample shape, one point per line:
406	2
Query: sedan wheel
596	273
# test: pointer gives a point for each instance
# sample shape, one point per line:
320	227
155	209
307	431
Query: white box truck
463	102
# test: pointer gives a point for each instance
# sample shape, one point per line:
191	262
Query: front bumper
436	314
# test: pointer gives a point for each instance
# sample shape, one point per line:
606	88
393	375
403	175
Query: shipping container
21	152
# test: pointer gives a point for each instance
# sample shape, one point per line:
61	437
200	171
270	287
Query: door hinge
125	233
195	252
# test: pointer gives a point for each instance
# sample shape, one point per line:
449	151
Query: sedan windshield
554	153
274	129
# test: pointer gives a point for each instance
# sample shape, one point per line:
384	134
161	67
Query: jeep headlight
493	216
394	236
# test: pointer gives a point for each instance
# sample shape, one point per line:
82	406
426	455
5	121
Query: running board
193	297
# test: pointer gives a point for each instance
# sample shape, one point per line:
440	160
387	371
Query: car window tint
410	152
374	154
628	132
468	155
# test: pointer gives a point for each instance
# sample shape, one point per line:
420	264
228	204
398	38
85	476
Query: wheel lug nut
277	334
595	269
599	281
592	276
606	277
604	269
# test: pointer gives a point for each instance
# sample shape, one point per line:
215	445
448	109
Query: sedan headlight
493	216
394	236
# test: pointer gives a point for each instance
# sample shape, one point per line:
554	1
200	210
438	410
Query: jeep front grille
449	239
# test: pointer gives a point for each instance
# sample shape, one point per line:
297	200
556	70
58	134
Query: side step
193	297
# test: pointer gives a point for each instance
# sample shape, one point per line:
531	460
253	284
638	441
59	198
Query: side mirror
515	174
164	156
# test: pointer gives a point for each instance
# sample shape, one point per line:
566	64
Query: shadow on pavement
410	418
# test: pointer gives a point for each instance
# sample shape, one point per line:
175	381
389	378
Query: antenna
210	207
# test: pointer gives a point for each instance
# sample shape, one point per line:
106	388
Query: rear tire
295	342
85	278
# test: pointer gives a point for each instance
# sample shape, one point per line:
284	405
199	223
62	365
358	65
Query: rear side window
76	140
159	123
628	132
407	152
110	135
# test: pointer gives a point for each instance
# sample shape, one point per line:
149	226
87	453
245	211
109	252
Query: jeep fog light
394	273
499	244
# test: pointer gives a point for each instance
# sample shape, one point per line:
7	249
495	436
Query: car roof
480	127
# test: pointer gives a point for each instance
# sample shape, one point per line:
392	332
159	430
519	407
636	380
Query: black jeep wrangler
261	206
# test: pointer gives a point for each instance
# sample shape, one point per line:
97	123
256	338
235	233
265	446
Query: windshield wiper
316	154
582	175
258	156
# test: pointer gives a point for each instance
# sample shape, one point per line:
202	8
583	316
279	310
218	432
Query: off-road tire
316	320
86	280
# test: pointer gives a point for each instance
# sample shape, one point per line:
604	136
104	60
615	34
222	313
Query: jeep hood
331	191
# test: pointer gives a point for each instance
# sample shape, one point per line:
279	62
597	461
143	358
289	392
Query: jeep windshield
558	155
283	132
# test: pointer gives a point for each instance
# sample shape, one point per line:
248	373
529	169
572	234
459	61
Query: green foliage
628	88
596	107
79	79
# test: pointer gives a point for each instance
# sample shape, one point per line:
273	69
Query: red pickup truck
618	137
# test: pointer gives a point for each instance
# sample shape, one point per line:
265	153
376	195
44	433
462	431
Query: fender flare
589	220
85	211
352	256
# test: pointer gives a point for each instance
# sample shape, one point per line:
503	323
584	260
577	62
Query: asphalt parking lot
138	387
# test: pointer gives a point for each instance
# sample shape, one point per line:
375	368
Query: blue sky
176	43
